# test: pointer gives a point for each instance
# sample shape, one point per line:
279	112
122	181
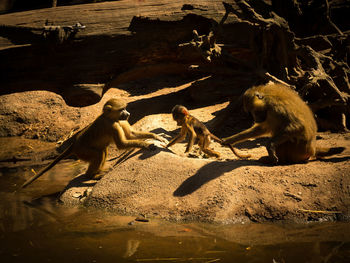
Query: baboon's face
254	103
179	118
124	114
179	114
119	113
253	100
179	122
116	110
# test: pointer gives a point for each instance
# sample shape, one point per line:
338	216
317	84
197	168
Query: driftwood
320	80
250	44
47	34
307	17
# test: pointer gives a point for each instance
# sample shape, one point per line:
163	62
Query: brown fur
279	113
196	130
90	144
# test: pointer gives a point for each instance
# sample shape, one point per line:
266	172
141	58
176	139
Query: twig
157	259
320	211
177	259
14	159
214	260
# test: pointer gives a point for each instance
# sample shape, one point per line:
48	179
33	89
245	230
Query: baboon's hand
271	149
152	147
274	159
159	144
161	139
164	135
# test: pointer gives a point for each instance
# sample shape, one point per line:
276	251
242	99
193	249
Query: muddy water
34	227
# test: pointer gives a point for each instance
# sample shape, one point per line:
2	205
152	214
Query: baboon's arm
256	131
178	137
143	135
122	141
131	133
146	135
192	135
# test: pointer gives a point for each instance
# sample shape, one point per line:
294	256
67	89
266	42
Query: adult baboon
280	113
90	144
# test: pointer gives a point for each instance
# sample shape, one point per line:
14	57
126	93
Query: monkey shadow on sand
143	154
215	169
210	172
164	133
336	159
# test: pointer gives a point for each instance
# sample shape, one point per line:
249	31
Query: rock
161	184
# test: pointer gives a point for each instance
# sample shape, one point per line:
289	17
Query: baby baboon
281	114
196	130
90	144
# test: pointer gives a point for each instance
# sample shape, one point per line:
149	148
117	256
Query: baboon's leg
205	141
205	147
96	161
211	152
191	139
293	152
281	138
200	143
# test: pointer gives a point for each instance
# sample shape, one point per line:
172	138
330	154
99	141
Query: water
35	228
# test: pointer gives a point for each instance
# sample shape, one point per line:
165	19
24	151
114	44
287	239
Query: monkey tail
239	155
67	152
215	138
233	149
322	152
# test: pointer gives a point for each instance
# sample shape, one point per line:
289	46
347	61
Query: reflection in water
131	247
14	215
35	228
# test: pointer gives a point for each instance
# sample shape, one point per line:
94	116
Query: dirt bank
161	184
167	184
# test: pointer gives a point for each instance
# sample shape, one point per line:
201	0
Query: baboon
280	113
90	144
197	130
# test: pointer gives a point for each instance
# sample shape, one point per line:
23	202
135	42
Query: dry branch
278	58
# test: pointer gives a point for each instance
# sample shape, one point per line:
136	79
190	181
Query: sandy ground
168	184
